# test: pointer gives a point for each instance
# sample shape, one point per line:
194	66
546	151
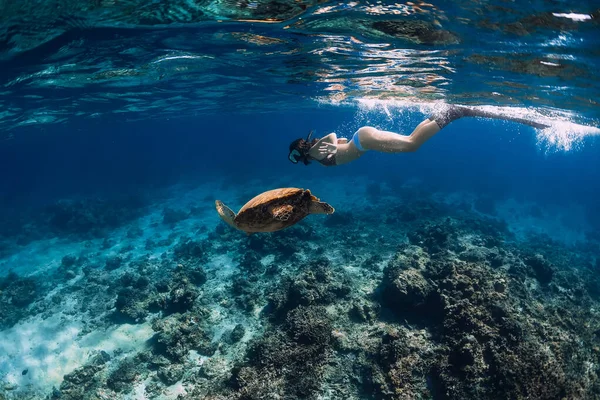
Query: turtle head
299	149
226	213
320	207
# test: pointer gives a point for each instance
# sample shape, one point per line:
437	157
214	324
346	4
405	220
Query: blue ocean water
123	121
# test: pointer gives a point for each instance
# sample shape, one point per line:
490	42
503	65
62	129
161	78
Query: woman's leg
390	142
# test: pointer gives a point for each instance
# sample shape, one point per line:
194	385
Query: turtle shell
257	214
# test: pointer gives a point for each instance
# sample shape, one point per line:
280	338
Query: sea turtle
273	210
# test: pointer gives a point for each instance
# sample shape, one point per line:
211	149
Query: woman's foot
452	113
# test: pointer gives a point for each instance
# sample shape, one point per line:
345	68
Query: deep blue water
103	158
100	98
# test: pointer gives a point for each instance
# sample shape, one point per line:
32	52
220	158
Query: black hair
303	146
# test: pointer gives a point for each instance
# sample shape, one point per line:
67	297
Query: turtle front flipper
283	212
320	207
225	213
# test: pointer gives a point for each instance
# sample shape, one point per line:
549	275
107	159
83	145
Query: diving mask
299	150
294	156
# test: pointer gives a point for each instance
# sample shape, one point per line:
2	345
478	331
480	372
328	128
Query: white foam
573	16
384	106
565	136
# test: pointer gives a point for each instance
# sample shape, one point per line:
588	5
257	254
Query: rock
83	380
406	291
544	271
237	333
113	262
170	374
121	379
500	286
178	334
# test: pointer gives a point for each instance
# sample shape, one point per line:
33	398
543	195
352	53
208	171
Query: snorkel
299	149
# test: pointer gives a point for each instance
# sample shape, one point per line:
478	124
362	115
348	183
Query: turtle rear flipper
320	207
225	213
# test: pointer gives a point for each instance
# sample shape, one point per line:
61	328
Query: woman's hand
326	148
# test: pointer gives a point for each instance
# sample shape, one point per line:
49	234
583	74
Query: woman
331	151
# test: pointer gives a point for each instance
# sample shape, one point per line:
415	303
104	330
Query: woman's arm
319	151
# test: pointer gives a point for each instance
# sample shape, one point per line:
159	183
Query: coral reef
438	302
81	383
492	334
89	217
191	251
288	361
318	282
16	295
84	218
121	378
137	298
180	333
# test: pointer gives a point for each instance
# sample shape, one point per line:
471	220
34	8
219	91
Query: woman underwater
331	151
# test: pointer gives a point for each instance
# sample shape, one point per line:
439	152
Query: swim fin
453	113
